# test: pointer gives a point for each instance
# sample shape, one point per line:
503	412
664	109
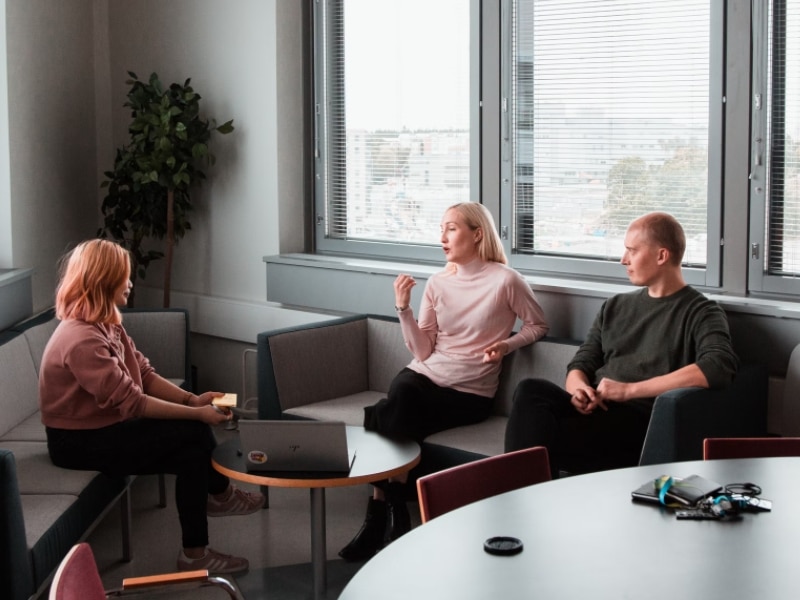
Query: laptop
311	446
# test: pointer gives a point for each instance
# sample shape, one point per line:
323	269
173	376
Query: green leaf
199	151
226	127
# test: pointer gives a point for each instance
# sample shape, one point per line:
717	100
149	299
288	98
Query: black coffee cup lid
503	545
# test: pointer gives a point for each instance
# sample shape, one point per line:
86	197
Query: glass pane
610	121
784	139
404	115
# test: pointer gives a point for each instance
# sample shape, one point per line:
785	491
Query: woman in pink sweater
458	342
106	409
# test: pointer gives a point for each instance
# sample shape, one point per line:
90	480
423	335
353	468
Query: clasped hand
587	399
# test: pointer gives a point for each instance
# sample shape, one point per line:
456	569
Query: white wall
63	116
48	193
228	50
245	59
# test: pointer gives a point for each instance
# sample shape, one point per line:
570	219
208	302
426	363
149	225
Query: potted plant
148	189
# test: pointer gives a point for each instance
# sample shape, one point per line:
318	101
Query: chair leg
125	514
265	491
162	490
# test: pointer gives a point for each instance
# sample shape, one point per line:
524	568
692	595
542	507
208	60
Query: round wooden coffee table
377	458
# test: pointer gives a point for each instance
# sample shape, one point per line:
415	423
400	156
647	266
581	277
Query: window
775	186
394	128
611	118
567	118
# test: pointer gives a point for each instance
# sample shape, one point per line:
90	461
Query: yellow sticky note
226	401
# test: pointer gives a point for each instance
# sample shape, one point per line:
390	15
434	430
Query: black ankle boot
369	538
399	519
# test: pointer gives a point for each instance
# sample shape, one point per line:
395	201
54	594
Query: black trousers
416	408
145	447
542	415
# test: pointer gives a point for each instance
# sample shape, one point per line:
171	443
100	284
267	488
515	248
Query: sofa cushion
19	393
387	353
30	430
546	359
37	337
485	438
36	474
41	513
55	521
349	409
296	361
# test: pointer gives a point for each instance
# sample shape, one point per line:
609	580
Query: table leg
318	542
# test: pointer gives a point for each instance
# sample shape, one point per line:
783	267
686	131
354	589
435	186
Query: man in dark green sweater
665	336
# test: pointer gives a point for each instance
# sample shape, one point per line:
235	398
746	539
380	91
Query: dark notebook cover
690	490
687	491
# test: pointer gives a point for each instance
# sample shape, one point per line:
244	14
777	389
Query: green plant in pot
148	189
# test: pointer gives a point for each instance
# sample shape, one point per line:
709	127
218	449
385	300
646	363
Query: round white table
583	537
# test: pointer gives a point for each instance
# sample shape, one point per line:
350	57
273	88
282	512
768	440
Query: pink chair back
77	577
750	447
452	488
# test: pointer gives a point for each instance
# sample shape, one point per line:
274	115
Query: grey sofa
333	369
45	510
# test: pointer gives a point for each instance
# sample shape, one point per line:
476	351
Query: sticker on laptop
257	456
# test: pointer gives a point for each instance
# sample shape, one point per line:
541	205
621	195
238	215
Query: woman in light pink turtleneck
457	342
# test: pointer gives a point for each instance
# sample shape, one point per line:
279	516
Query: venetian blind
610	120
783	148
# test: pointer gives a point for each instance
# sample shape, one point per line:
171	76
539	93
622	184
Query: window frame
324	19
761	280
607	270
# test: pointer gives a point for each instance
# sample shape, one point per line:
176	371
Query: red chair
757	447
77	578
452	488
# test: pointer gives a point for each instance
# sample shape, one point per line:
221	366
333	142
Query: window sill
303	264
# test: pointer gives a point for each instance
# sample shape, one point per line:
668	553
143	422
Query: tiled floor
278	536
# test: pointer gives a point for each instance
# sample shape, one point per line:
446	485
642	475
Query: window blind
610	120
783	137
396	117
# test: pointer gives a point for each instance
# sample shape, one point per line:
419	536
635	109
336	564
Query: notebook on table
284	446
687	491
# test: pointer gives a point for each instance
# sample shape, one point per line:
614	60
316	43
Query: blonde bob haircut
477	216
90	276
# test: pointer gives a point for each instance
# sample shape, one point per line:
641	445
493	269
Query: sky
390	48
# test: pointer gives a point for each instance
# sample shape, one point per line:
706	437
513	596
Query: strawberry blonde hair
90	276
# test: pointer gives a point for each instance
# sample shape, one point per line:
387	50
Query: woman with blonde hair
106	409
466	316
